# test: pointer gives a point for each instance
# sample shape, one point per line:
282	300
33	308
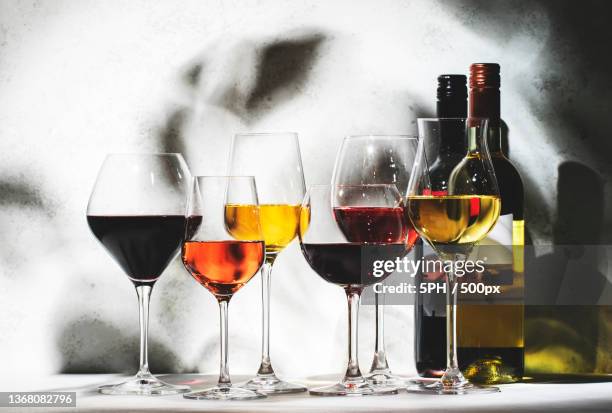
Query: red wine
351	264
142	245
376	224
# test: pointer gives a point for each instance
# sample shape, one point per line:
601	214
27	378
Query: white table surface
521	397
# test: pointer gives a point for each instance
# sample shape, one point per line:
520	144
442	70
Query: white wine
453	223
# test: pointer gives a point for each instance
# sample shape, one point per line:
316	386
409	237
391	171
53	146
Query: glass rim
362	185
318	186
454	118
144	154
322	186
381	135
223	176
264	133
350	185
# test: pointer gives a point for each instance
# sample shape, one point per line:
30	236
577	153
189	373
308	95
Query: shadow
171	134
192	75
223	78
570	74
282	71
579	188
13	192
420	111
89	345
563	287
18	196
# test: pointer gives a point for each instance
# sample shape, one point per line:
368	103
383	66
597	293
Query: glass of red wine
350	265
136	210
223	249
375	160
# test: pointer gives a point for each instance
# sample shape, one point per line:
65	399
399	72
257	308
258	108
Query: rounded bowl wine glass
350	265
223	250
453	211
375	159
275	162
136	210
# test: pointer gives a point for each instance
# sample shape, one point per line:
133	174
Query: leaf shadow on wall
275	72
13	192
19	193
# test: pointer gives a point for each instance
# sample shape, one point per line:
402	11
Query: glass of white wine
274	160
453	212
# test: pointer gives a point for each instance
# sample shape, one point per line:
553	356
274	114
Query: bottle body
430	309
491	344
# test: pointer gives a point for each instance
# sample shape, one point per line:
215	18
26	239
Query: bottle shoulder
510	186
506	172
441	170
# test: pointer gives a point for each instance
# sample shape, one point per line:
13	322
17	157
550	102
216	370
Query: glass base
385	378
357	388
224	393
270	384
143	385
421	381
458	388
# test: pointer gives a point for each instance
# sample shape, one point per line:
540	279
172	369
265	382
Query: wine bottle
491	335
430	309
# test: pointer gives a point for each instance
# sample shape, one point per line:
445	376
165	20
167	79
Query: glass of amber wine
222	260
453	212
275	162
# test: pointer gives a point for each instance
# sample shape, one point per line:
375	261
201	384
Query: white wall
79	79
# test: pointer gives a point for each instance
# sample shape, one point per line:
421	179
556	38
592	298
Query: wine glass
453	212
222	255
136	210
274	159
350	265
375	159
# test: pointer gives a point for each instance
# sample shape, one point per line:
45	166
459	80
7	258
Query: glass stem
144	295
353	373
380	357
265	368
452	377
224	377
451	323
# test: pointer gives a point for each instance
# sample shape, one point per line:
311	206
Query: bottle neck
453	139
485	103
473	146
451	108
